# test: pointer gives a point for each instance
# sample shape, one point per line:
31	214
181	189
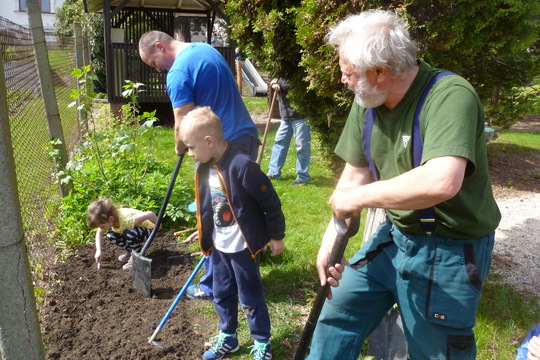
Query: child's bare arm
147	215
534	348
192	238
99	238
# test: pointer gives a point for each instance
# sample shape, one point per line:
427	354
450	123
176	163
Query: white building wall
9	9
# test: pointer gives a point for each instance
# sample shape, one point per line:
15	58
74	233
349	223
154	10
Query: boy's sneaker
261	350
125	257
196	292
128	265
223	345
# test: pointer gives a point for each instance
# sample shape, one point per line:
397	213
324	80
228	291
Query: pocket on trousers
460	344
455	286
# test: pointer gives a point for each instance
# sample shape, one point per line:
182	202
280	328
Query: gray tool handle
344	233
163	206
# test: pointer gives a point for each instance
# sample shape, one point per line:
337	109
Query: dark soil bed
96	314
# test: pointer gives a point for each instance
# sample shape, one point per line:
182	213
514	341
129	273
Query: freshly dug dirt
96	314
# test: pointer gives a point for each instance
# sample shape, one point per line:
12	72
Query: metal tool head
142	266
142	274
156	344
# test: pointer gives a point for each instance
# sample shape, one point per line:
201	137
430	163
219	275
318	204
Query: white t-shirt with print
226	234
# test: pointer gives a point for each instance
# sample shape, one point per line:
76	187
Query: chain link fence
28	121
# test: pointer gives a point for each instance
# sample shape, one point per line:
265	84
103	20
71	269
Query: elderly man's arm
351	177
438	180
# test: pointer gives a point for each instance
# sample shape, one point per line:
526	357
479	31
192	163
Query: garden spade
344	233
142	266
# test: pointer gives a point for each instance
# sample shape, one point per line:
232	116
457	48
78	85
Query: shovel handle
177	299
344	233
270	111
157	225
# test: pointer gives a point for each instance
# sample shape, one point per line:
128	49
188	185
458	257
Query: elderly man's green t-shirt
452	124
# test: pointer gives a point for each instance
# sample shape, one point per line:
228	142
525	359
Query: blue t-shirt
201	75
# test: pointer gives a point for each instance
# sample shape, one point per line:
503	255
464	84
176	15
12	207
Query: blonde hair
201	121
99	212
150	38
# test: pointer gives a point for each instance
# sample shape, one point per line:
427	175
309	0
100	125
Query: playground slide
253	80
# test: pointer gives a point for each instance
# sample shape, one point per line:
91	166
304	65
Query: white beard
368	96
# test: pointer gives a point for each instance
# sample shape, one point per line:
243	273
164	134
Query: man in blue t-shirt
198	75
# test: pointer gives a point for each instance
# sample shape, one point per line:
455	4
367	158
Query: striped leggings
130	239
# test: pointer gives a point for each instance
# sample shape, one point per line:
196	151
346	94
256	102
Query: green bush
495	47
112	163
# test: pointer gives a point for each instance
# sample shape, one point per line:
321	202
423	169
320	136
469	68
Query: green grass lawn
290	279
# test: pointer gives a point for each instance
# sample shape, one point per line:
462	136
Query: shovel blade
142	274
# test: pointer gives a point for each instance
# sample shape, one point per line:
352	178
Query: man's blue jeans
302	139
436	282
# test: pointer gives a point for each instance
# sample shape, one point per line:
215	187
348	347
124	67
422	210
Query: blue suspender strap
427	216
369	122
416	137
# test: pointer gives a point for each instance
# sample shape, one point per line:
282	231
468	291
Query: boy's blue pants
435	281
237	278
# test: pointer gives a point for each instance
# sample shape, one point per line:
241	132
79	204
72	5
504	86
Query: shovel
344	233
259	157
142	266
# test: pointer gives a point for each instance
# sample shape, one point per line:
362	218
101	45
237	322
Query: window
45	5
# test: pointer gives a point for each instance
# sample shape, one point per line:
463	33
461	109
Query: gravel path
517	243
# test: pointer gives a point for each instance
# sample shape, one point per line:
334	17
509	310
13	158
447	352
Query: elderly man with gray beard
414	146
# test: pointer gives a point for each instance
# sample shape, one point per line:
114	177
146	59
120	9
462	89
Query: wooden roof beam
216	8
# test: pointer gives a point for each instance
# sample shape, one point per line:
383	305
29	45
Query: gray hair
375	38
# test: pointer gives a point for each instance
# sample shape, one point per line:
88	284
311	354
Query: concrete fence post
47	88
20	336
86	49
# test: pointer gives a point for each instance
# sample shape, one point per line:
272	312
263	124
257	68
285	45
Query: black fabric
459	344
470	265
370	256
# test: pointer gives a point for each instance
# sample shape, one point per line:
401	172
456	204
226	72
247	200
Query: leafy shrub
111	164
495	47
